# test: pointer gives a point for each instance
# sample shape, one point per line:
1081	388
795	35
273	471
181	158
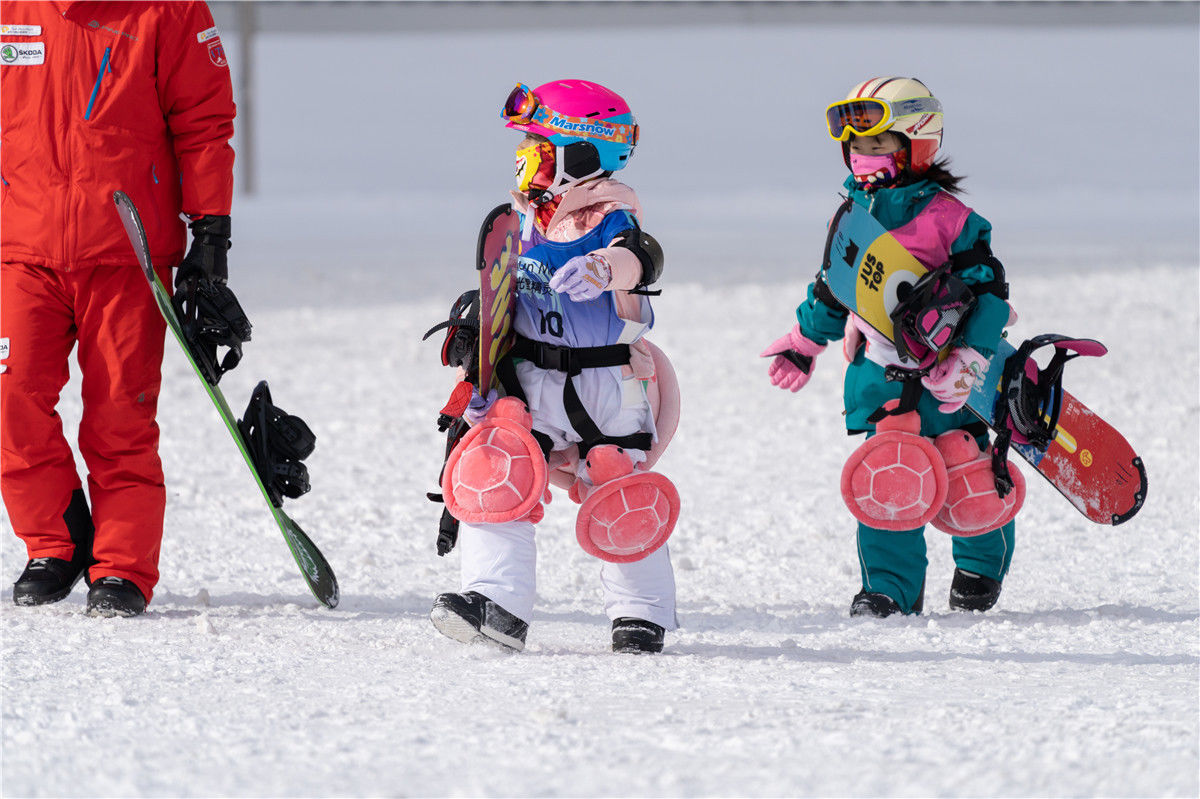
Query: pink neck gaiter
874	170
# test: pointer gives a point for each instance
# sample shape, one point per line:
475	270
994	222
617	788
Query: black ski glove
206	258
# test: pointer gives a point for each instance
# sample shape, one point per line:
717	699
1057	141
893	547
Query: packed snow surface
1083	681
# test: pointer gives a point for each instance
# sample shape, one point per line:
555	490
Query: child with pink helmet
581	388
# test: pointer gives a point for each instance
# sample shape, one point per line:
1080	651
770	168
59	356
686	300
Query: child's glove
793	364
584	277
479	406
950	382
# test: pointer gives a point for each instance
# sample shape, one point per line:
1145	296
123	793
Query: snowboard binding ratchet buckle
277	442
211	317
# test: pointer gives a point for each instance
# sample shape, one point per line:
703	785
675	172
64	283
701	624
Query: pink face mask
875	170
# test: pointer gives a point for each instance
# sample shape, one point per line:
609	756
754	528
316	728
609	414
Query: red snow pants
109	313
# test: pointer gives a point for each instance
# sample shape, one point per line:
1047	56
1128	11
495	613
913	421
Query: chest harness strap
572	361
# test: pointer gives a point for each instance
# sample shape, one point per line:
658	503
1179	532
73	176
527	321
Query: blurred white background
377	139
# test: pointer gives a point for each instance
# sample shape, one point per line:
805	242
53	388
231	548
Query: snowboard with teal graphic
315	570
1086	459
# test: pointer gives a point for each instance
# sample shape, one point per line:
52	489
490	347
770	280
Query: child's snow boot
636	635
472	617
973	592
872	603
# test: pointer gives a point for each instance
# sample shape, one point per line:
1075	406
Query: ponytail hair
939	172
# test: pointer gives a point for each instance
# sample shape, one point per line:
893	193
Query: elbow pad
648	251
981	255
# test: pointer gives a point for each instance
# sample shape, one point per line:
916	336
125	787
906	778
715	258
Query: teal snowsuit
894	562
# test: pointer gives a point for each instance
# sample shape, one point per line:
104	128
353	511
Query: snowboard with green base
313	567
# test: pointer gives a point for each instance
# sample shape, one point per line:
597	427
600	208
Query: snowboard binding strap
211	317
461	346
1031	398
277	442
930	314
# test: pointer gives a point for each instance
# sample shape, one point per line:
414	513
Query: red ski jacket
99	96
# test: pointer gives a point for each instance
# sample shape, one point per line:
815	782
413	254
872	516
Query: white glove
584	277
479	407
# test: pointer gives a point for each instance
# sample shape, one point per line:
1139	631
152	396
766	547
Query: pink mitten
584	277
794	355
950	382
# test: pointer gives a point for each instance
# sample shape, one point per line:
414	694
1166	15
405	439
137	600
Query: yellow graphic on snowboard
884	267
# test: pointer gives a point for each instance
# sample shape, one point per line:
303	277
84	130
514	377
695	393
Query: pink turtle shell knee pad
897	479
497	473
973	506
629	513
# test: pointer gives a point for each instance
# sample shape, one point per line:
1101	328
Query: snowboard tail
315	570
1086	459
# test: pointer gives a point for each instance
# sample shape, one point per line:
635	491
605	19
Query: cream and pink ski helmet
904	106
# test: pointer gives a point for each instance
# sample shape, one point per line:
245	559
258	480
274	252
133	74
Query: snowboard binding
277	442
211	317
1031	398
929	315
461	347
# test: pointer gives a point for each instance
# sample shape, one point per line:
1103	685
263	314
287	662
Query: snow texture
1082	682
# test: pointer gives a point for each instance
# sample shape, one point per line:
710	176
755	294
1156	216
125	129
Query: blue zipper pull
99	78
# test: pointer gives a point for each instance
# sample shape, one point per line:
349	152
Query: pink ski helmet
591	126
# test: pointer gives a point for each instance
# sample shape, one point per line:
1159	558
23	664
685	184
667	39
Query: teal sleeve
820	322
985	325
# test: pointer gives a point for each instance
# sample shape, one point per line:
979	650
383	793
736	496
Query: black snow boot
870	603
47	580
472	617
969	591
115	596
636	635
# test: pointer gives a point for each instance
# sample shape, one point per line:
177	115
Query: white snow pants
500	560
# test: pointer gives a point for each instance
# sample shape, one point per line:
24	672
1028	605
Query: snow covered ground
1084	681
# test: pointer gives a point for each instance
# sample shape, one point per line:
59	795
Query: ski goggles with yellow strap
868	116
523	107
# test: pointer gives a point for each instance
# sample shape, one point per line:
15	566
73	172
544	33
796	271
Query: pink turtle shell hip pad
497	473
628	516
897	479
973	506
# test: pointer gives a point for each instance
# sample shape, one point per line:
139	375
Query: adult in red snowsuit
95	97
